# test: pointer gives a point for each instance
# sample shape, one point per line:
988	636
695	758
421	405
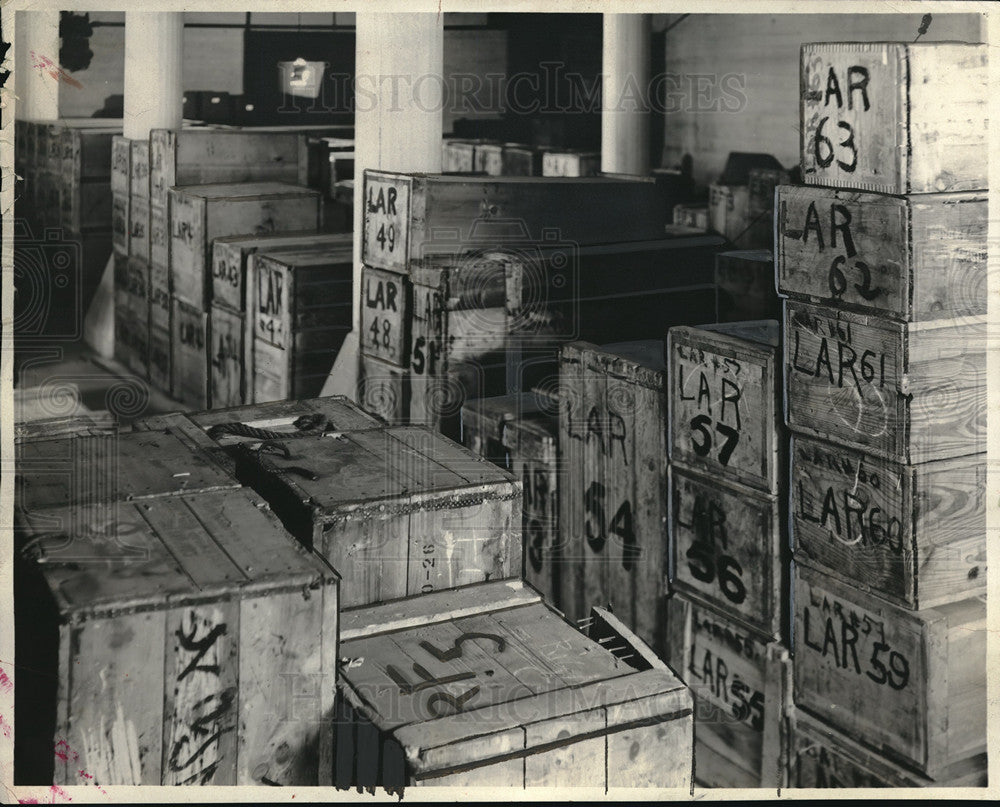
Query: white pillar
154	49
399	65
625	117
37	43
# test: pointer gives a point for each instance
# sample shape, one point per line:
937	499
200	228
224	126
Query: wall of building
742	95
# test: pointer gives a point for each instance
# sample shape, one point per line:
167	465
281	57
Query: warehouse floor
68	379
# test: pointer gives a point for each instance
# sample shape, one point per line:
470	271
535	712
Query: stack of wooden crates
882	256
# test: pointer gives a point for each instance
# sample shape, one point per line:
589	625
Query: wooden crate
571	164
729	212
120	209
74	472
691	215
384	390
230	255
159	240
121	164
893	117
519	160
139	176
301	314
138	230
908	684
459	156
762	182
85	188
459	336
219	431
189	341
200	214
127	342
741	684
744	281
397	511
613	482
83	422
385	315
160	365
201	649
555	708
914	535
211	156
409	216
912	258
227	357
821	756
138	289
521	434
725	414
729	547
489	159
912	392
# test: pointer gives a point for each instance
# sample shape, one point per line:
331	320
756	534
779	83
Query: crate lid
259	240
309	257
243	190
761	331
391	469
506	659
338	412
68	471
101	560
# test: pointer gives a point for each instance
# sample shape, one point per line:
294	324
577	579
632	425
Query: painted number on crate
227	272
835	631
823	347
381	335
716	429
597	527
535	483
727	688
204	708
192	333
442	702
707	557
270	306
846	271
833	140
228	353
386	215
425	351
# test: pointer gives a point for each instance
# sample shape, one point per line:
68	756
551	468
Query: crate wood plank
120	208
521	160
892	117
912	392
725	416
821	756
521	435
82	422
227	354
729	212
745	286
559	730
301	313
139	174
230	258
116	467
396	511
385	315
729	550
159	241
912	258
614	406
403	211
910	685
138	229
914	535
85	204
200	214
189	341
384	390
489	159
199	656
121	164
159	366
208	156
741	683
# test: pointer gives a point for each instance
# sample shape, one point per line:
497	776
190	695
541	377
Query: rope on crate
306	425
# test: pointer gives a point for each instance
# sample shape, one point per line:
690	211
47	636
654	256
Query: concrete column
154	48
624	115
37	58
399	66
